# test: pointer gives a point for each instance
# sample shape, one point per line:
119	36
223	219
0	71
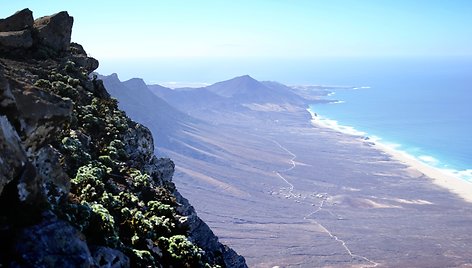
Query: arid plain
283	192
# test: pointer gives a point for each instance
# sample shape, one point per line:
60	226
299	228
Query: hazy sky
277	28
208	41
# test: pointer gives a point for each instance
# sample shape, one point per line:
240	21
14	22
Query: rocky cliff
80	185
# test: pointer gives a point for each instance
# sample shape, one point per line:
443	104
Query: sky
247	30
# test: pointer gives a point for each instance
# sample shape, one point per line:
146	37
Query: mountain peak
114	76
246	76
236	86
136	83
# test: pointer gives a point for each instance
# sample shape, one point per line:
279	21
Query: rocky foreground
80	185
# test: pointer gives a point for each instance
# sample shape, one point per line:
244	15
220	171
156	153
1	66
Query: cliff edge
80	185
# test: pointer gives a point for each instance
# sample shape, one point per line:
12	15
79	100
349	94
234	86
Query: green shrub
181	251
102	225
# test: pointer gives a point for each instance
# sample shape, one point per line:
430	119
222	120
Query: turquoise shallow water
421	107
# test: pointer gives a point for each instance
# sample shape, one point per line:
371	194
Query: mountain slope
245	89
188	100
175	131
139	102
80	185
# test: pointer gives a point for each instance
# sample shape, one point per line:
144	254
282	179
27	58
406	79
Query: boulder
42	115
79	56
16	39
52	243
88	63
55	31
21	20
139	145
54	180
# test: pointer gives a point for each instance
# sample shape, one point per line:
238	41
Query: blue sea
422	107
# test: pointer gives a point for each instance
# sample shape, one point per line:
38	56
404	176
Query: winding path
318	209
335	237
292	160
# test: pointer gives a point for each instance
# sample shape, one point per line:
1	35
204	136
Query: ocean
422	107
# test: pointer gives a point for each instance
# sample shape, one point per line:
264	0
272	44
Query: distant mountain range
177	117
239	90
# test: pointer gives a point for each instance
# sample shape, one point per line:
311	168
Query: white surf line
292	161
336	238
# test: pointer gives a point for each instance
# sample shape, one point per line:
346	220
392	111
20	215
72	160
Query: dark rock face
42	114
49	169
80	57
55	31
16	39
13	157
161	168
139	144
31	118
20	36
51	244
80	185
21	20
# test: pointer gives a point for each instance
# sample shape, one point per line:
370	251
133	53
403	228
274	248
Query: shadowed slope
166	122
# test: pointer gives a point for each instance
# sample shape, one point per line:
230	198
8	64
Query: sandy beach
449	181
445	179
292	194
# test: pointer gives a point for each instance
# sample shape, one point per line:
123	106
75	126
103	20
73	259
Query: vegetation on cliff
78	177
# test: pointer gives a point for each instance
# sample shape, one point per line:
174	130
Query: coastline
440	177
450	182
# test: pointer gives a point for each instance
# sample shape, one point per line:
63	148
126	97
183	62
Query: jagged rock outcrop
21	36
80	185
21	20
54	31
80	57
